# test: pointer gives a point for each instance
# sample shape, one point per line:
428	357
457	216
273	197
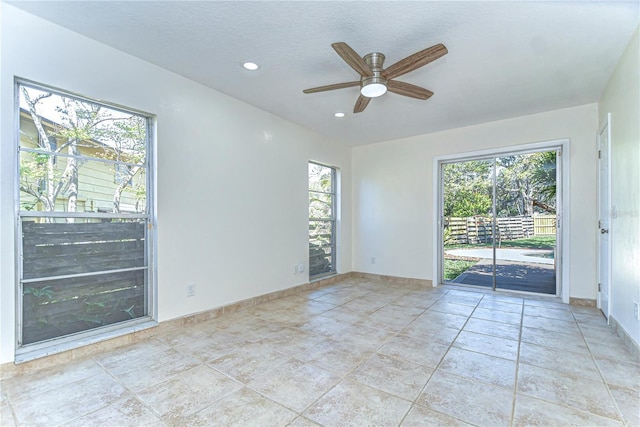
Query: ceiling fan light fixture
373	87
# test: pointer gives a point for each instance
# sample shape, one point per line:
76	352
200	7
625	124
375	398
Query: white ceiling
505	59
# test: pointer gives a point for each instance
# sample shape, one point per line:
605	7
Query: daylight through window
84	215
322	220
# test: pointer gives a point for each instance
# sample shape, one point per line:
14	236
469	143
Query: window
84	240
322	220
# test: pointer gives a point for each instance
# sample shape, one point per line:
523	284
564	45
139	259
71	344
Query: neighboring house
98	181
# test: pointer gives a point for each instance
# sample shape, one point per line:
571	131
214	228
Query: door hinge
599	223
599	287
599	154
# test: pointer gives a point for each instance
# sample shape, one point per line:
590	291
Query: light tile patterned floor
358	353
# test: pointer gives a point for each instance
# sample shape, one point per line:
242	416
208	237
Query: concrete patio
516	269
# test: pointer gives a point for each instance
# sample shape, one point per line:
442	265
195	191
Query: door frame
563	208
606	200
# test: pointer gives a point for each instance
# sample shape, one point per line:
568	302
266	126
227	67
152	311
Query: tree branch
38	196
544	206
118	193
29	190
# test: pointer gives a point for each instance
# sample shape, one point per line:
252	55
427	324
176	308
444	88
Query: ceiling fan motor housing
375	61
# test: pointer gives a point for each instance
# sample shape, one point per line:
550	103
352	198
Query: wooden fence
57	307
544	225
477	229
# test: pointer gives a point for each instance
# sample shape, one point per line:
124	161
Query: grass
455	267
537	242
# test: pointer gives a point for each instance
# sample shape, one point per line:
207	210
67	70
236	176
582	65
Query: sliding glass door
499	221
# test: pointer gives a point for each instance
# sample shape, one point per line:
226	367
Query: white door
604	219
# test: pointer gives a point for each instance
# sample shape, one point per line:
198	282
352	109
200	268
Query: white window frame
24	353
333	220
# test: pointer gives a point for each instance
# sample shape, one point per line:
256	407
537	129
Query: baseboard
582	302
629	343
392	279
250	302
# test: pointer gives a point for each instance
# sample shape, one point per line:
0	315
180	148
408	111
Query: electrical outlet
636	311
191	289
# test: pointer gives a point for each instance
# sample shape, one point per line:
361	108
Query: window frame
26	352
333	219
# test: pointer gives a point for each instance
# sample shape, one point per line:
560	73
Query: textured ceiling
505	59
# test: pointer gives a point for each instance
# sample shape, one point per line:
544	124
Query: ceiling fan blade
352	58
331	87
415	61
407	89
361	104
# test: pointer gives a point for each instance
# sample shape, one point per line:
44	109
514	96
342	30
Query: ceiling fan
376	80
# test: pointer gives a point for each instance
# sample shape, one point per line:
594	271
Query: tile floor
360	352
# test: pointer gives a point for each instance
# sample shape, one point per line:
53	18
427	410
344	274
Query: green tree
129	139
544	178
525	183
467	188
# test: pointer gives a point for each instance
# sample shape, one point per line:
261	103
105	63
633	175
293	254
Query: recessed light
339	115
251	66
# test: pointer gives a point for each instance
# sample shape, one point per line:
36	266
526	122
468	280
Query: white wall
232	202
621	98
393	192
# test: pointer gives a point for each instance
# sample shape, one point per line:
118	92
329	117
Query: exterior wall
232	196
621	98
393	192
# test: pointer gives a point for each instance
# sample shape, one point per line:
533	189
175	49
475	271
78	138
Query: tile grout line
102	371
415	401
133	393
375	351
564	405
10	405
515	383
602	377
343	377
411	403
484	354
